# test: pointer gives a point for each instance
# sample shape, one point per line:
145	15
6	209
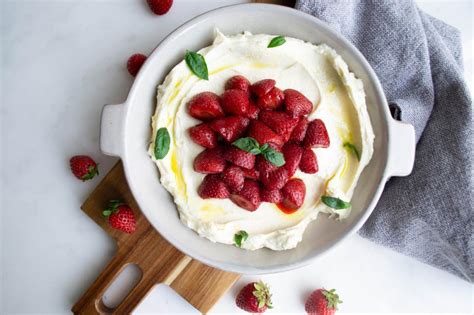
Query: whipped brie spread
297	65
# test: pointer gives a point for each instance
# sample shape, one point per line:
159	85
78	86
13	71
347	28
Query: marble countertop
61	61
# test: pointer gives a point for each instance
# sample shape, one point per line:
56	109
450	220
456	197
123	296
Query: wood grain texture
159	261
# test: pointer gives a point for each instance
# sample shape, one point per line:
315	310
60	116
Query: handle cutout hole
127	279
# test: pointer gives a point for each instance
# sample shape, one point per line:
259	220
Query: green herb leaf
248	145
162	143
274	157
197	64
240	237
106	213
352	148
276	41
335	203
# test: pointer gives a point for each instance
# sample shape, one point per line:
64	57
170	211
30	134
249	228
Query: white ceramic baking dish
126	132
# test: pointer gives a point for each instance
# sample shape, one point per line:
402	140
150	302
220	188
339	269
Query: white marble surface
60	62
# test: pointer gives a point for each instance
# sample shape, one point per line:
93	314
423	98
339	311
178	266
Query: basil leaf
240	237
274	157
352	148
264	147
335	203
162	143
248	145
197	64
276	41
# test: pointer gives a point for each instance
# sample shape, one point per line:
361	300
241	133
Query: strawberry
203	135
248	197
316	135
239	157
230	128
210	161
293	193
255	297
300	130
292	153
262	87
235	102
282	123
272	100
275	179
212	186
205	106
120	216
297	104
263	134
251	173
238	82
160	7
273	196
322	302
233	177
309	162
134	63
83	167
252	111
263	166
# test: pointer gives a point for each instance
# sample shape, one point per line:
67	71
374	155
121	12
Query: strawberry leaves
332	298
112	207
262	293
197	64
249	144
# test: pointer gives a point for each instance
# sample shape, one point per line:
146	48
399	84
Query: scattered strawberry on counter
256	137
255	297
120	216
134	63
83	167
322	302
160	7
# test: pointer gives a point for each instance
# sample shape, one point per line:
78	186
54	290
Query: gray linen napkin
427	215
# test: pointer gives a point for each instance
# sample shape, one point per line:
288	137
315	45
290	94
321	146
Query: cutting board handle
158	260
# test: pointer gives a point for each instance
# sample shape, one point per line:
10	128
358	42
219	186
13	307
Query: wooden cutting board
159	261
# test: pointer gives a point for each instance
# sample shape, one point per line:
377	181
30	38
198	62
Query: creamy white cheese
297	65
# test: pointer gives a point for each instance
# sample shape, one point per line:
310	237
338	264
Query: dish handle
402	145
111	129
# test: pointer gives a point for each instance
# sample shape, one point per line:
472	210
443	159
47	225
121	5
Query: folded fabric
427	215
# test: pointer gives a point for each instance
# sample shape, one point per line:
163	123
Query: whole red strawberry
213	187
235	102
322	302
230	127
238	82
255	297
203	135
120	216
135	62
83	167
272	100
205	106
293	194
248	197
160	7
209	161
239	157
262	87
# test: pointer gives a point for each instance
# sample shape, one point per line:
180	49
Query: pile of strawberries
261	118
